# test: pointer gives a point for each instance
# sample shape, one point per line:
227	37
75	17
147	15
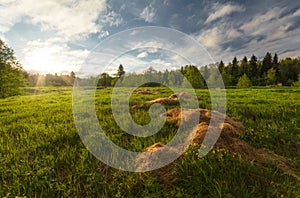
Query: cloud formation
148	14
220	11
71	19
63	30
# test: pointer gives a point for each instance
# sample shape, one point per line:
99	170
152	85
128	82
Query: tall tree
253	69
266	64
275	62
205	72
165	79
244	67
121	72
235	70
275	65
105	80
11	72
221	66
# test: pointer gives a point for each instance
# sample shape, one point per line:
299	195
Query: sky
65	35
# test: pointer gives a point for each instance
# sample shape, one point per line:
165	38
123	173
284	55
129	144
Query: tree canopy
11	72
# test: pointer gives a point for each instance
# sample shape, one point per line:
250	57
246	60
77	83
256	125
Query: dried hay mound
228	140
147	160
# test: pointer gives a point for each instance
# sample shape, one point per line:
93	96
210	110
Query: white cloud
269	31
233	33
297	13
148	14
272	25
152	50
72	19
103	34
112	19
259	22
222	11
147	51
149	44
161	64
142	55
211	38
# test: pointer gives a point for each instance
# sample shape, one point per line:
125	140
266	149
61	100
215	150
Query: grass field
41	154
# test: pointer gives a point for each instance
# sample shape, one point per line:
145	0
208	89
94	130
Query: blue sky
58	35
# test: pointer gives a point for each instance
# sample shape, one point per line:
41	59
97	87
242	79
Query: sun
45	60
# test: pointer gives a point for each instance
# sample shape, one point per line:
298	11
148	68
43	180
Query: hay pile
228	140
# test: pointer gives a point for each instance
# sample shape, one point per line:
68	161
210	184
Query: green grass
41	154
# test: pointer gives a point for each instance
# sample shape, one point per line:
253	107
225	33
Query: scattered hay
144	92
135	107
173	99
181	95
165	101
199	97
228	140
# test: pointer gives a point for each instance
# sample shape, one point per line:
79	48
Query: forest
238	73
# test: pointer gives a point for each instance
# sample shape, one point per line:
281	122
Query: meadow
41	153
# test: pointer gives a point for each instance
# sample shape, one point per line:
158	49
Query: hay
148	158
230	129
173	99
135	107
199	97
165	101
181	95
143	92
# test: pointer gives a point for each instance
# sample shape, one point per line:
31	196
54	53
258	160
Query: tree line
269	71
240	73
44	80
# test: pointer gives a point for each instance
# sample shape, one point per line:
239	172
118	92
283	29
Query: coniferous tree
193	75
253	69
244	82
235	70
266	64
275	65
221	66
244	67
